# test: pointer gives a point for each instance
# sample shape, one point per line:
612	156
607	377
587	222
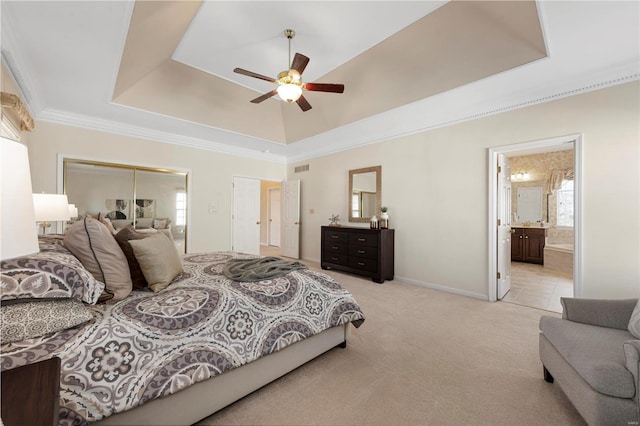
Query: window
564	198
181	208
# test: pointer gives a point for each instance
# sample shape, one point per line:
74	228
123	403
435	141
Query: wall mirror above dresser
365	188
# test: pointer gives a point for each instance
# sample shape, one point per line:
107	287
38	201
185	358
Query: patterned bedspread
152	345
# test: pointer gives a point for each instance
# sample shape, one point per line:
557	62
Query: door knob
258	223
296	223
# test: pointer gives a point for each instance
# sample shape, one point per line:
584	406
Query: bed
180	354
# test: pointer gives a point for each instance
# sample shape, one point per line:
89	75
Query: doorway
546	265
266	217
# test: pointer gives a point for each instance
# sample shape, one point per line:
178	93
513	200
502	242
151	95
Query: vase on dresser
384	220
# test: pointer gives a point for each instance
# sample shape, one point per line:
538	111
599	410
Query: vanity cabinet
362	251
527	245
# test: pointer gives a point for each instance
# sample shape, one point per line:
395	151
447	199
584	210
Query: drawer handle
334	258
335	247
360	264
335	237
362	239
361	251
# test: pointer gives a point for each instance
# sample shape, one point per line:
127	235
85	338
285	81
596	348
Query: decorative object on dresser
384	217
527	244
367	252
334	219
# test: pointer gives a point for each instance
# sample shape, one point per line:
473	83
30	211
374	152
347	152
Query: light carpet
422	357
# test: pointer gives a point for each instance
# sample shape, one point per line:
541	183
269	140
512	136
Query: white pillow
634	322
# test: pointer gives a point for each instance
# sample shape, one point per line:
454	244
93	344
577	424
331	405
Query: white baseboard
442	288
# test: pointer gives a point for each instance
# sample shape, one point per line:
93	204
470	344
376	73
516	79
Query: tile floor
532	285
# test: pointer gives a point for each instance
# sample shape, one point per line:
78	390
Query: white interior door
504	226
274	217
246	215
290	241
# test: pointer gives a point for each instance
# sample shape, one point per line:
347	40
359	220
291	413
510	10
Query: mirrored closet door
142	197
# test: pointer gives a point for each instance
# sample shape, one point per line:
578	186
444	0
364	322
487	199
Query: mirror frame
378	170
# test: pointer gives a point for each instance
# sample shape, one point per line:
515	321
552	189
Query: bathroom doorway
544	259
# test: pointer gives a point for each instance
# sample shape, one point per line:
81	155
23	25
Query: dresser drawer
336	236
335	247
366	252
370	265
336	258
363	239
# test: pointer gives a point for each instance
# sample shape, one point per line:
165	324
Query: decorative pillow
52	273
158	258
106	222
160	223
92	243
21	321
144	222
123	237
634	322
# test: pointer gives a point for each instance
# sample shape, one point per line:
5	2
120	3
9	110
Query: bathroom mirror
529	204
364	193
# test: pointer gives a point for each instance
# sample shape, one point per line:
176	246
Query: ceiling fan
290	85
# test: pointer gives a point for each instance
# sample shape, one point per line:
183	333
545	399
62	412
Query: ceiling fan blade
324	87
264	97
299	62
303	104
253	74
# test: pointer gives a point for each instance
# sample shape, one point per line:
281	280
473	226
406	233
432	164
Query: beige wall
436	187
210	181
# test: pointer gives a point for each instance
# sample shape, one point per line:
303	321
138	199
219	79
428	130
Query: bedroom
440	215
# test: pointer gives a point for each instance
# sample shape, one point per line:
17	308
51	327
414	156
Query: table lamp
50	208
18	235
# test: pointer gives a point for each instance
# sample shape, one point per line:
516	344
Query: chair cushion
595	353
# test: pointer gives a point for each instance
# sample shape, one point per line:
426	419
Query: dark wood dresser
362	251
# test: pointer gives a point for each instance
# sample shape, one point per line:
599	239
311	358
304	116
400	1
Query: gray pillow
52	273
92	243
158	258
21	321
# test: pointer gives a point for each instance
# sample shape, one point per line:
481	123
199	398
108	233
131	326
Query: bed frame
205	398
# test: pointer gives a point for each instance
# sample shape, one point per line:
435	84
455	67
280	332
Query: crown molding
355	135
92	123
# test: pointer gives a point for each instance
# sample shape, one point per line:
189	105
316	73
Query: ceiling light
290	92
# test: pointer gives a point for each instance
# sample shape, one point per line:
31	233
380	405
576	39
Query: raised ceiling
163	70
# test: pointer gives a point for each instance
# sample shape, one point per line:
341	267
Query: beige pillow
634	322
92	243
106	222
158	258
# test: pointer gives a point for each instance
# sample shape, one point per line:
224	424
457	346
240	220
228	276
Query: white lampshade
51	207
18	236
289	92
73	211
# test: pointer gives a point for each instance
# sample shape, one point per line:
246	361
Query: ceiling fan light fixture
289	92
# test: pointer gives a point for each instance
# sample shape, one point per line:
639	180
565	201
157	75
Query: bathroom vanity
527	243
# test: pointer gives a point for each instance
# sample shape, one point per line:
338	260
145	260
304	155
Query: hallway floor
533	286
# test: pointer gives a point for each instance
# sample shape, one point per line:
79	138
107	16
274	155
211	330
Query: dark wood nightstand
31	394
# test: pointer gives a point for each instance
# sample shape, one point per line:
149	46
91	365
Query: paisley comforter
150	345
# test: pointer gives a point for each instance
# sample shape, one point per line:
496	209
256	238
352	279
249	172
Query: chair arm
601	312
632	363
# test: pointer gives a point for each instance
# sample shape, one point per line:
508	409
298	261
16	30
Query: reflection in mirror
529	204
364	193
142	197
